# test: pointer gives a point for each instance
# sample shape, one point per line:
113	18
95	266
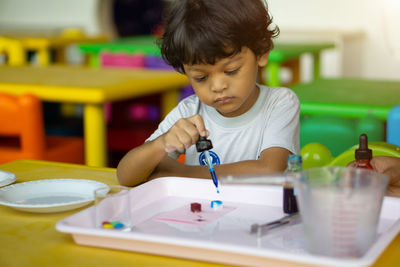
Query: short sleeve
282	128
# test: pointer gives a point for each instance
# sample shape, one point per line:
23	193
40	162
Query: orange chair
22	133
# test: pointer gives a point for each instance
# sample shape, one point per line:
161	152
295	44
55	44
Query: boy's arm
150	161
137	165
147	162
272	160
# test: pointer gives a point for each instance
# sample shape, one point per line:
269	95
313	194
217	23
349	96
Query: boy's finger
197	120
171	142
186	132
169	148
394	175
351	164
186	139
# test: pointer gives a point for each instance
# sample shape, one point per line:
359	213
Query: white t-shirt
273	121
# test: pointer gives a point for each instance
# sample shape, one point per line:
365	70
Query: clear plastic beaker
340	209
339	206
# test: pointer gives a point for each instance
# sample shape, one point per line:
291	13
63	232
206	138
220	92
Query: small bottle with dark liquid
363	154
294	164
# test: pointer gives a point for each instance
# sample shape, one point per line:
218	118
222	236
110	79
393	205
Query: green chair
338	133
334	132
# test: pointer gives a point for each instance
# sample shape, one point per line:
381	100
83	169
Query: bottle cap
295	158
203	144
363	152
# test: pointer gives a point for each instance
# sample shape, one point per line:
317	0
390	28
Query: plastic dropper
204	145
363	154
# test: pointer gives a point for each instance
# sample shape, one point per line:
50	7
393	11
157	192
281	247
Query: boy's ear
263	59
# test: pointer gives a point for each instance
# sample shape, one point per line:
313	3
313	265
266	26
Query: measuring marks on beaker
352	223
344	222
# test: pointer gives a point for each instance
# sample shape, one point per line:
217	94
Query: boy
219	45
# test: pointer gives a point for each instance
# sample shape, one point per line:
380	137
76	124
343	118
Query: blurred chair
22	134
129	122
334	132
13	50
338	133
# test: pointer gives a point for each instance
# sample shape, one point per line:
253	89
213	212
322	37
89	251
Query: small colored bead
115	222
105	222
119	226
195	207
108	226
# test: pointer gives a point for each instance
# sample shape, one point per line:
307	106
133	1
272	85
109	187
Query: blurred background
342	59
366	32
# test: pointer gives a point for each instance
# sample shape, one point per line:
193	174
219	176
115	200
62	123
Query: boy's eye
200	79
232	72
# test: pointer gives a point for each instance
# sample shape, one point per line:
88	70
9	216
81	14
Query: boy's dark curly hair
203	31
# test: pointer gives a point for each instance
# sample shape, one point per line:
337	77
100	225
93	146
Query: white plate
7	178
52	195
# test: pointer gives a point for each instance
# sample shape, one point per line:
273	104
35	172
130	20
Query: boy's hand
184	133
389	166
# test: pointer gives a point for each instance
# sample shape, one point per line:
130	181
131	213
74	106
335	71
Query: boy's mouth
223	100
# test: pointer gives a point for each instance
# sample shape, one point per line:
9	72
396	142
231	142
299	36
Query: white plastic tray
226	240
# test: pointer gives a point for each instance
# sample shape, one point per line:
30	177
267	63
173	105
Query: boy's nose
218	85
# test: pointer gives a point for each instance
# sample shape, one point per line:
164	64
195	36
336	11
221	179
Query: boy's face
230	84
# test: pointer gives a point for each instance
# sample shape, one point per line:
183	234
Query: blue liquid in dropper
211	169
215	180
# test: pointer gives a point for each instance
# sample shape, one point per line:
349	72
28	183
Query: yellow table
91	87
30	239
43	43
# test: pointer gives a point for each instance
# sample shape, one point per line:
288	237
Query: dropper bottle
294	165
363	154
